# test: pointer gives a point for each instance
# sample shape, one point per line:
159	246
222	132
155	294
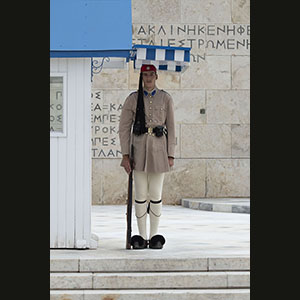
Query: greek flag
176	59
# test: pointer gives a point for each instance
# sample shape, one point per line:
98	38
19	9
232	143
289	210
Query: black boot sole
158	245
137	246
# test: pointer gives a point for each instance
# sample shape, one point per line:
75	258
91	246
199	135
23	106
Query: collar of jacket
152	93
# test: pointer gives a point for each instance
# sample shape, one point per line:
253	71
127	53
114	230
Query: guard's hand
171	161
125	163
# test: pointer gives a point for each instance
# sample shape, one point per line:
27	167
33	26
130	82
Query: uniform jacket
150	152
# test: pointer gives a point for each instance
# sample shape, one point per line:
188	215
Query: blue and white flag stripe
175	59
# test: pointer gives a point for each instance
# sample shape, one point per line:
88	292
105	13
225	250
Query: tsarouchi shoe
157	242
138	242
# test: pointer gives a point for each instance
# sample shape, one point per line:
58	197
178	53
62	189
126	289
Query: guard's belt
157	131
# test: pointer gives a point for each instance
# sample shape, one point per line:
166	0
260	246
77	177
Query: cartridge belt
157	131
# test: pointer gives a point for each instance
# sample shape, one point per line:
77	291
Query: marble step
150	280
206	294
142	263
231	205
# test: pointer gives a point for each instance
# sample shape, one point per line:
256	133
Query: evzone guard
147	139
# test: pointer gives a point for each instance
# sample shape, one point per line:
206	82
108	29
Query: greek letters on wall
56	104
105	117
204	39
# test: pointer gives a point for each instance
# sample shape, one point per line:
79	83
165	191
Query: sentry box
86	36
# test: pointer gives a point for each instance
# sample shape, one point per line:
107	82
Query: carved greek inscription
105	117
56	104
204	39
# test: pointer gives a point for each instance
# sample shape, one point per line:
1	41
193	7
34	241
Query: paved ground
189	233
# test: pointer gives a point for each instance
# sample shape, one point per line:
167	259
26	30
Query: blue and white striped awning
175	59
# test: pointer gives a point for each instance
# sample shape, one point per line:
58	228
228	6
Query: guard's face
149	78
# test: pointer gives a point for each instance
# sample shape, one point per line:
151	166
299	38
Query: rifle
129	203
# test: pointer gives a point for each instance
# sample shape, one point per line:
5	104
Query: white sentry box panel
70	159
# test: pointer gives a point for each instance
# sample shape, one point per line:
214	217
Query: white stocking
141	217
154	212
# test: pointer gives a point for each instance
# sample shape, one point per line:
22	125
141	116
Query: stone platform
232	205
206	256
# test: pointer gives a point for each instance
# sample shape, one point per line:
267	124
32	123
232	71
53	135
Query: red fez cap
145	68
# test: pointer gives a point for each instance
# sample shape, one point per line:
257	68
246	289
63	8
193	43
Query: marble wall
212	101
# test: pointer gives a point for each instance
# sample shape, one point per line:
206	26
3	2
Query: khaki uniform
150	152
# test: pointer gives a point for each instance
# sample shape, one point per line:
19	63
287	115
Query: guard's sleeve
125	124
170	123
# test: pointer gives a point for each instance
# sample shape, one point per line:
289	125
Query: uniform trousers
148	192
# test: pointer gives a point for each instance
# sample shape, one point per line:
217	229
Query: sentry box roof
103	28
90	28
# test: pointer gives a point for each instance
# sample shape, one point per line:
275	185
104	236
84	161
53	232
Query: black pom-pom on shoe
138	242
157	242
